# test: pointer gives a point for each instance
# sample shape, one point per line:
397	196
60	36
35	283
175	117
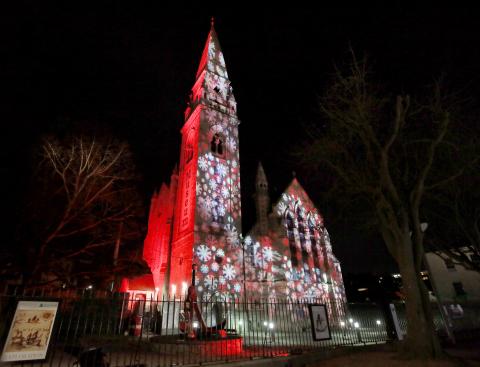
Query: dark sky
130	68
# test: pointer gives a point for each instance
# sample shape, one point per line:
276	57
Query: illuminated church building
196	219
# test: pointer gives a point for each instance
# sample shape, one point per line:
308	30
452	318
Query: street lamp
243	244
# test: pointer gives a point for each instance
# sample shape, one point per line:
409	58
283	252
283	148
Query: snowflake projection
267	253
222	280
231	144
237	287
211	50
281	208
212	184
204	253
209	203
215	267
204	268
258	259
221	211
297	259
211	241
231	235
203	163
220	253
228	271
210	282
211	116
221	170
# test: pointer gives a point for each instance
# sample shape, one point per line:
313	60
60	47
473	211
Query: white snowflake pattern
202	163
209	156
237	287
211	115
204	268
211	49
221	169
228	271
222	86
231	144
267	253
221	280
225	192
213	184
215	267
231	235
209	203
221	59
203	253
199	188
281	208
248	241
234	163
221	211
210	282
220	253
258	259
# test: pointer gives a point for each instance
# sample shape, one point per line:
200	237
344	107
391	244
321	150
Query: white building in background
453	283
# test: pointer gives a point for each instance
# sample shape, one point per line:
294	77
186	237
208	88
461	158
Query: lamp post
194	269
242	244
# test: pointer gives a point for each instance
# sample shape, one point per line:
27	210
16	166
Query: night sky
130	68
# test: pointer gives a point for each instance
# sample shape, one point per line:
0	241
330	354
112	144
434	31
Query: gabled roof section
295	194
212	56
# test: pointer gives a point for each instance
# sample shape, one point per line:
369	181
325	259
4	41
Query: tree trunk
421	340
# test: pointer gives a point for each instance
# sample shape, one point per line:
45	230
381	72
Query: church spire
212	86
262	199
212	53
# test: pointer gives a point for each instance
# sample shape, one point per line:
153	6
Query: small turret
262	200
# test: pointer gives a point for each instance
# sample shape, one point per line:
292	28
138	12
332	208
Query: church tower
262	200
207	219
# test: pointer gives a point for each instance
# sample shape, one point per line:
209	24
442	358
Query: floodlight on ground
357	325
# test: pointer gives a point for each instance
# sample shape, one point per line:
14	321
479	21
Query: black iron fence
115	330
118	330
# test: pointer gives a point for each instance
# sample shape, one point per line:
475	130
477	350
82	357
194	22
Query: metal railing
96	330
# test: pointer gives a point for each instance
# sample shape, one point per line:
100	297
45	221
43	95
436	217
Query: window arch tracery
217	145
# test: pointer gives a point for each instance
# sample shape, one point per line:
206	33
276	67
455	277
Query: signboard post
30	332
319	322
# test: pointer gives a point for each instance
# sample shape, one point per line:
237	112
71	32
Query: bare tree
386	152
85	200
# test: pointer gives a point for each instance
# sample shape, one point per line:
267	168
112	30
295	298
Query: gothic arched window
217	145
290	224
314	242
